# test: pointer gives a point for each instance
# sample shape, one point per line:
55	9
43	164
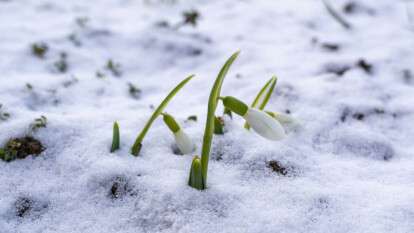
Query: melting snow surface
349	168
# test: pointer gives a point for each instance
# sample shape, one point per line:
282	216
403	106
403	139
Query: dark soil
20	148
365	66
120	188
338	69
360	115
25	206
277	167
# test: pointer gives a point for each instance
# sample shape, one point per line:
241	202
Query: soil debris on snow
20	148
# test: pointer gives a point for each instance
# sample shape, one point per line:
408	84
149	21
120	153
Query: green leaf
115	137
268	93
260	94
138	142
212	105
269	86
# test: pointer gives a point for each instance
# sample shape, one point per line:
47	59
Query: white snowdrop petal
184	142
264	125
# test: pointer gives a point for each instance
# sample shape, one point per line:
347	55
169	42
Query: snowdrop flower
261	122
264	124
184	142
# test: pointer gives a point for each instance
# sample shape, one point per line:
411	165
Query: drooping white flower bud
184	142
264	124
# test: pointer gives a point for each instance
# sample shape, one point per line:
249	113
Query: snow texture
349	168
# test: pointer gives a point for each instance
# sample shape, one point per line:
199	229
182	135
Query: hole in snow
26	206
120	186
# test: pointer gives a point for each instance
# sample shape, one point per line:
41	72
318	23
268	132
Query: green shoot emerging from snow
198	177
115	137
138	142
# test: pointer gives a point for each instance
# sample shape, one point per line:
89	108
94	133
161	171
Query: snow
349	167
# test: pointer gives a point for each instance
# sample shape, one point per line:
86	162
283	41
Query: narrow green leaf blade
260	94
115	137
212	105
268	93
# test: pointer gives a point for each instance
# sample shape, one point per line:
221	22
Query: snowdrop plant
183	141
199	166
135	149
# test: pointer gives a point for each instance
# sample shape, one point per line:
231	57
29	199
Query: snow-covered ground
350	167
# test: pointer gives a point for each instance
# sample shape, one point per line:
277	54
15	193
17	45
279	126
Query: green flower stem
138	142
269	86
115	137
209	129
235	105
